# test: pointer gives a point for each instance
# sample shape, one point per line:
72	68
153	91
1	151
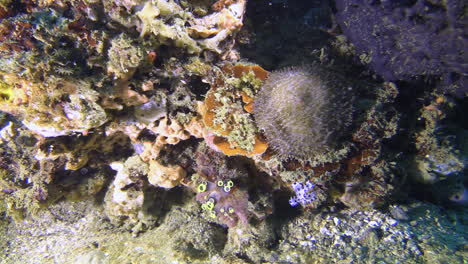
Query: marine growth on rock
303	111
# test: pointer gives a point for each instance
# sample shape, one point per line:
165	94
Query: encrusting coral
226	111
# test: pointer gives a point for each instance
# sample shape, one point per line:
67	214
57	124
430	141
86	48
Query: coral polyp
303	111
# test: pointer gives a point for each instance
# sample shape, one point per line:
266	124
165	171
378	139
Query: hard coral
303	111
226	111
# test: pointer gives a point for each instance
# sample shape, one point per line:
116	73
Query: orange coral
208	113
212	104
240	69
248	102
223	145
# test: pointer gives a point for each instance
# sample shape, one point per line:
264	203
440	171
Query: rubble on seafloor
170	131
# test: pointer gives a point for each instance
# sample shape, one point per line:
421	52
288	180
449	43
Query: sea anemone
304	111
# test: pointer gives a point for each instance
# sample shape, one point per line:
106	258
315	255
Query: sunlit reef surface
233	131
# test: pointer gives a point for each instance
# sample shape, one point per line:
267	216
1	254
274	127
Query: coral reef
148	131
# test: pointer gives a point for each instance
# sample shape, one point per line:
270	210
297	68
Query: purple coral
304	194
